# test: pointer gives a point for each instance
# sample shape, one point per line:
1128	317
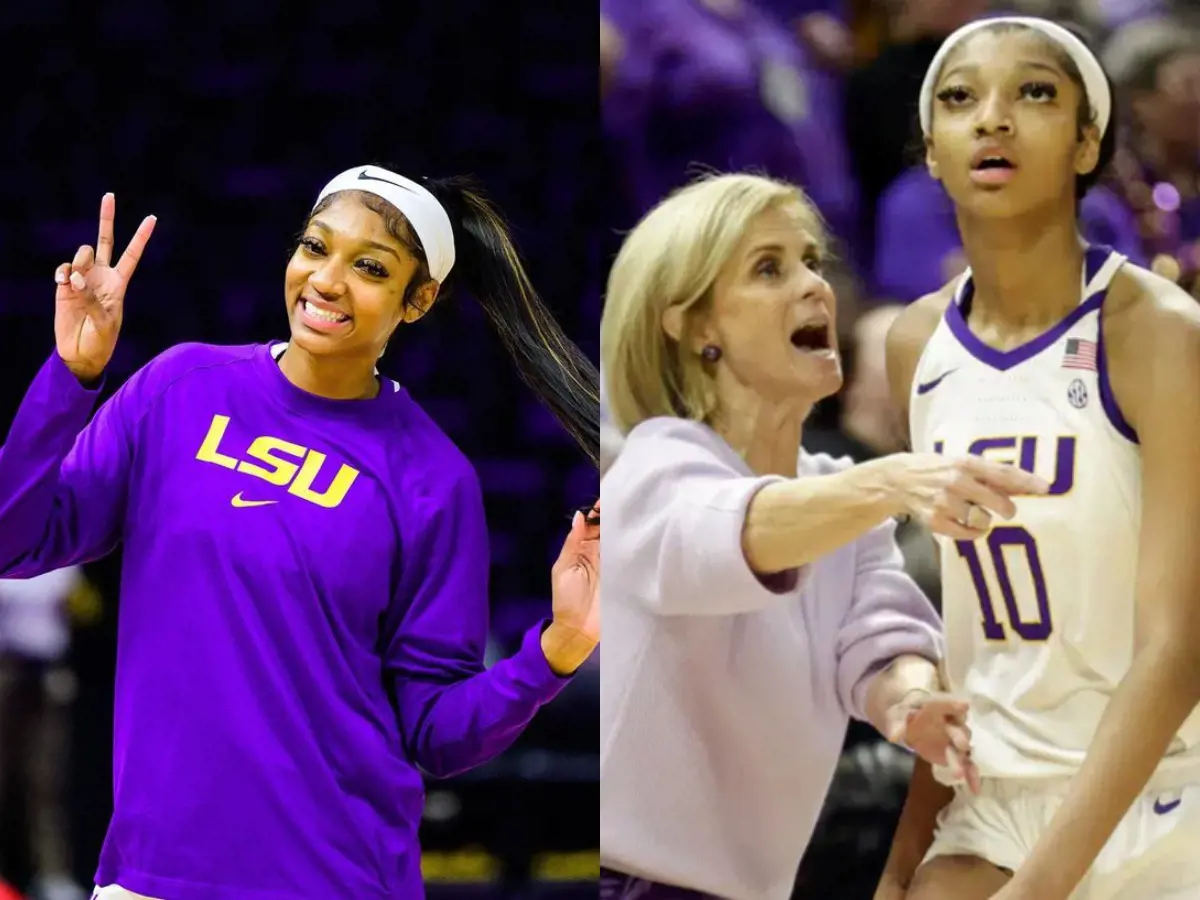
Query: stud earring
711	353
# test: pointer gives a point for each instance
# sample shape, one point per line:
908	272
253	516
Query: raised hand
575	631
89	301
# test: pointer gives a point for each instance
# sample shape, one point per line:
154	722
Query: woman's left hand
934	726
575	579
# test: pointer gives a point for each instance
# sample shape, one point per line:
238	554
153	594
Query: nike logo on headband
363	176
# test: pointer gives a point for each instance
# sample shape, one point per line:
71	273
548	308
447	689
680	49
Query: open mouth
812	337
993	162
992	167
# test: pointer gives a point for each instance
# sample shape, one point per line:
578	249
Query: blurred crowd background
824	93
225	121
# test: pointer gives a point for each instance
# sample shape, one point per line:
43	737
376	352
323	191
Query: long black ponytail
488	266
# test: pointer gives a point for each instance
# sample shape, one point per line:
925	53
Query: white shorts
116	892
1153	855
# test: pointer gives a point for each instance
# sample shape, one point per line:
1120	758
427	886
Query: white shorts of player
1153	855
116	892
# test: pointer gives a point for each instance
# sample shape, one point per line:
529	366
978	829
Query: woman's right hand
90	299
958	497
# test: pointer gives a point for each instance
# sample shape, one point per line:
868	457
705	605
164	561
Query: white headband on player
1094	82
425	214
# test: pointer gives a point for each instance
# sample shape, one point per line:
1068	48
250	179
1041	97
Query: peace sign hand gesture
90	299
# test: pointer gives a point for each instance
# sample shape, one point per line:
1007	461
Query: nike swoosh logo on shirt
239	503
363	176
1163	808
930	385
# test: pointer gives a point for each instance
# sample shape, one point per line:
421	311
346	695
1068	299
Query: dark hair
488	266
1108	141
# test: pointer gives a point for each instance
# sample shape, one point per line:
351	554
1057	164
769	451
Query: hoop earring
711	353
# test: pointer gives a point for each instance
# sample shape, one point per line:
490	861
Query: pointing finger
979	493
1006	478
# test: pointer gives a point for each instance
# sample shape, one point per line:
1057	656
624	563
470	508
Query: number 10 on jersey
1013	538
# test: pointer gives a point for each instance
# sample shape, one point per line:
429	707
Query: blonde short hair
672	258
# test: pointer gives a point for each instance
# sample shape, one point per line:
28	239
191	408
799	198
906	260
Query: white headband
1094	82
425	214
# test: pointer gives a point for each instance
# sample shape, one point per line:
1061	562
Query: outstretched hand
575	578
90	298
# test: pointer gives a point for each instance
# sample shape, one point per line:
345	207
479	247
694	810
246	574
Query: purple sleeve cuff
53	413
60	376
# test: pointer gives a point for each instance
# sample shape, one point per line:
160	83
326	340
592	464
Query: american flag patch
1080	354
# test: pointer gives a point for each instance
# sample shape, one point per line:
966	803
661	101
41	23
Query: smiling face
347	282
773	314
1006	133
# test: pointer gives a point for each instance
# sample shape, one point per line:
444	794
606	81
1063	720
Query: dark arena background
225	119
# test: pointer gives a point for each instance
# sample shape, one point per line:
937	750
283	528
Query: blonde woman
756	598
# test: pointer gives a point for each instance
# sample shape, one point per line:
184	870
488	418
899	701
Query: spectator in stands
822	28
722	84
881	97
1110	15
1157	170
756	597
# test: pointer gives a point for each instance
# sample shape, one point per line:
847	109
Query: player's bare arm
1152	331
906	342
926	797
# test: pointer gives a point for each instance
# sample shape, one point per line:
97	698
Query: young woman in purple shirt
304	602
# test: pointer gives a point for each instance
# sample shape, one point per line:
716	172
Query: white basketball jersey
1039	614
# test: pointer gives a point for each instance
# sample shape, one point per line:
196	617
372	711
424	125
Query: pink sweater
724	702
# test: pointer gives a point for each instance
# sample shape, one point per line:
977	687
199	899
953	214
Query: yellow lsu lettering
283	463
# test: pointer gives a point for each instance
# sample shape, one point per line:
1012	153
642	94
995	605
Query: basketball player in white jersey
1072	629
